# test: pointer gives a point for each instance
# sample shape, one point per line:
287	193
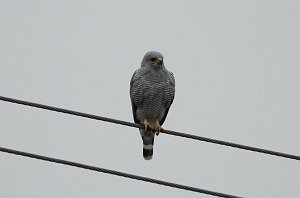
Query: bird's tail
148	141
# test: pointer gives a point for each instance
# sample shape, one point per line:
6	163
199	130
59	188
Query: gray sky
236	65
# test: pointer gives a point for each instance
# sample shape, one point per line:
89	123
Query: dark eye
153	59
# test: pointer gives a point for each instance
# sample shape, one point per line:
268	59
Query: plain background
236	65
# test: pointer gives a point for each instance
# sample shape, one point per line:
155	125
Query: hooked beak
159	61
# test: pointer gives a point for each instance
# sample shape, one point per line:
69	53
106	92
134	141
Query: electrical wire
117	173
185	135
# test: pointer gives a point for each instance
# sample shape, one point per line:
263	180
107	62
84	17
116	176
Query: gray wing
132	92
169	94
136	91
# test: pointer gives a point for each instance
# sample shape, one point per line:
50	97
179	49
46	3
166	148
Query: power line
195	137
113	172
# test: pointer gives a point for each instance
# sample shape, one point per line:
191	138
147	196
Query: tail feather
148	151
148	141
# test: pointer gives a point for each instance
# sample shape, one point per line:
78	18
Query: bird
152	91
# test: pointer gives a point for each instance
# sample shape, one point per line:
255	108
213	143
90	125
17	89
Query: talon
161	130
157	128
146	124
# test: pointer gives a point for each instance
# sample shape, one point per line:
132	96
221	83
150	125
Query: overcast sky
236	65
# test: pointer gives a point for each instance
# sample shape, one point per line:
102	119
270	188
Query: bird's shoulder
171	78
139	74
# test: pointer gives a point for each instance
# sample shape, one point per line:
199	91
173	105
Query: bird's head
153	59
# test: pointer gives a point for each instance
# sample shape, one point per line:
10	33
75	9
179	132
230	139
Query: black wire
195	137
113	172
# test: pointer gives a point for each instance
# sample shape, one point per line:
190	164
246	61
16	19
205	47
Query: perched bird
152	90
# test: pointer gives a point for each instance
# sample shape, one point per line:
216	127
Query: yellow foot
158	128
147	125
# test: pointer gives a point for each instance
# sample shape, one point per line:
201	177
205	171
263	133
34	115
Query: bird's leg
147	125
158	128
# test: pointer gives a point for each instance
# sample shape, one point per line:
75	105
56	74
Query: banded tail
148	141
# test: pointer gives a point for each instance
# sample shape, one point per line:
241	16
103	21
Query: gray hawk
152	90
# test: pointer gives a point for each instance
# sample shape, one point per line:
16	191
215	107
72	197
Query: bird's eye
153	59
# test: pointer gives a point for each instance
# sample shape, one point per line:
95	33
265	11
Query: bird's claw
157	128
147	125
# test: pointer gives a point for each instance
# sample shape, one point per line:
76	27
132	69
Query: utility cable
118	173
185	135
